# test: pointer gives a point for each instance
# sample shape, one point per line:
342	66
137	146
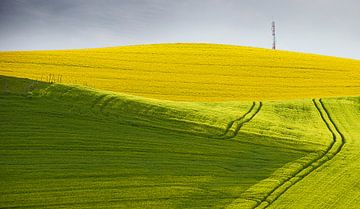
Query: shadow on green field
68	146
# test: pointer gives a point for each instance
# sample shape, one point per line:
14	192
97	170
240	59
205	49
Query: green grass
69	146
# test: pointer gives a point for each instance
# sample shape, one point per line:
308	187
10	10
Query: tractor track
102	102
231	123
239	122
333	149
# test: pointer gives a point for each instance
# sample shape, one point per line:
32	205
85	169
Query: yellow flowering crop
192	72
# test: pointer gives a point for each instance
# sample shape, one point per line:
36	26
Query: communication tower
273	34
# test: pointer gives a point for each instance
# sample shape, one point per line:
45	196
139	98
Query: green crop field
178	126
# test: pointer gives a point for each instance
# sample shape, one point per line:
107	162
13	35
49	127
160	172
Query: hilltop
192	72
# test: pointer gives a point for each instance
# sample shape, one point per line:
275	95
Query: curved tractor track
234	126
333	149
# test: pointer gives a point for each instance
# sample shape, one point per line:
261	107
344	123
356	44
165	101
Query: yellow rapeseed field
192	72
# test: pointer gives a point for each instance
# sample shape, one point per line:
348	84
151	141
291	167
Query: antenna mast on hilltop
273	34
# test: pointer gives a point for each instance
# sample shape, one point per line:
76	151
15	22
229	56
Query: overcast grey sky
330	27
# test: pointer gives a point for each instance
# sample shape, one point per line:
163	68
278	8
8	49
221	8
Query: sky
329	27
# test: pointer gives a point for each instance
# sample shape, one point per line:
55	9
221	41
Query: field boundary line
333	149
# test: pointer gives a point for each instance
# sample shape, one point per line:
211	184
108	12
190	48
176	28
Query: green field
66	145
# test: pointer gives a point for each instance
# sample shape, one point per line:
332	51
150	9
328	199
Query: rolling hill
192	72
178	126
